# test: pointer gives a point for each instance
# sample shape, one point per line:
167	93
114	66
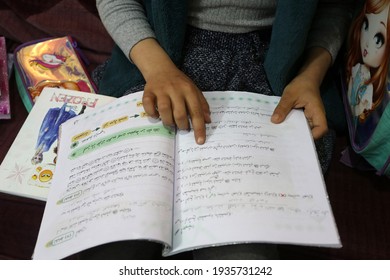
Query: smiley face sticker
42	176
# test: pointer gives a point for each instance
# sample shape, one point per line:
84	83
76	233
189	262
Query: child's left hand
302	92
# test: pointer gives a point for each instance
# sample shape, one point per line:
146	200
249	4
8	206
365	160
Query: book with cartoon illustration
367	89
28	167
126	176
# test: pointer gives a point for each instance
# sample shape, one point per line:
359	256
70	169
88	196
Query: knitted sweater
127	23
297	25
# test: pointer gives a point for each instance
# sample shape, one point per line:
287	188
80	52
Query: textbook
126	176
27	169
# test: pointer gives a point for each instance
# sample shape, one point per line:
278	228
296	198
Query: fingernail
200	140
275	117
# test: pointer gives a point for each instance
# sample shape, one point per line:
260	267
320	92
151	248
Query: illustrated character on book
49	61
368	66
59	65
79	85
48	134
42	175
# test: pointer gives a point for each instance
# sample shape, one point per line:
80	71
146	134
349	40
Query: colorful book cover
5	109
29	165
366	88
367	70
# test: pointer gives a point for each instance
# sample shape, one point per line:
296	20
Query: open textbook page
115	181
126	176
253	181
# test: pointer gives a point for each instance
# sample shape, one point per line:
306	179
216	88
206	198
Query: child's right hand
169	94
173	97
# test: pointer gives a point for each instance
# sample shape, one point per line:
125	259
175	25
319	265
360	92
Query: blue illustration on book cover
48	134
29	166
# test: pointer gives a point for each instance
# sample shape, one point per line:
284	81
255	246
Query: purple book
5	109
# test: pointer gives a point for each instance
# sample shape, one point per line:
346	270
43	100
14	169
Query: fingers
319	131
313	110
180	116
282	109
205	108
149	103
317	124
164	108
194	107
176	108
170	113
198	110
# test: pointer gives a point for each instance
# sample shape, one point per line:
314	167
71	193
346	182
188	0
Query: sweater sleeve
330	25
125	21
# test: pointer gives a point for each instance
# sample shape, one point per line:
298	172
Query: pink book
5	109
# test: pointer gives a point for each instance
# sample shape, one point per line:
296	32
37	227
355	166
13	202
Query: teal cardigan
168	20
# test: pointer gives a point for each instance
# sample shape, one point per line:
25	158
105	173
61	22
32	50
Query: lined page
252	181
114	181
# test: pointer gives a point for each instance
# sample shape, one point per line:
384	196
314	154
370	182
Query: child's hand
303	93
173	97
169	93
